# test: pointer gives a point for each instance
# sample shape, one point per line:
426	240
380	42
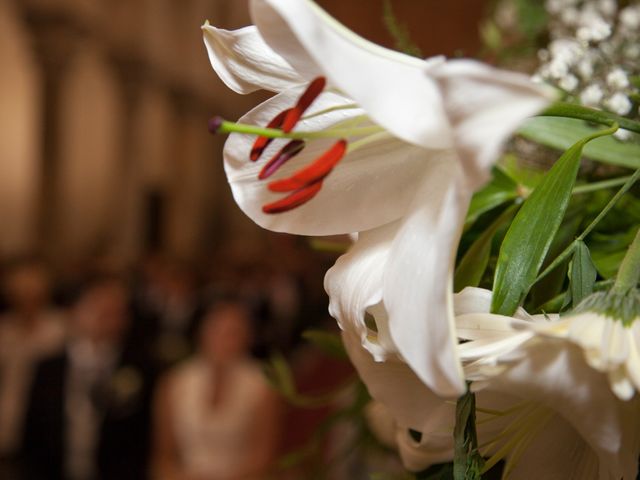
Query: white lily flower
396	144
607	328
545	413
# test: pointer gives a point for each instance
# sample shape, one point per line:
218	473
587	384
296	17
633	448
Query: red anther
263	142
290	150
320	168
294	200
314	89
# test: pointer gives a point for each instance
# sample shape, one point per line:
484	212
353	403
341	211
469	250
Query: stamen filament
353	146
521	447
319	113
226	127
504	413
262	143
512	427
525	429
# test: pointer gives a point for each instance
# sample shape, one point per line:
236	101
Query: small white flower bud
632	51
608	7
623	135
568	82
630	17
543	55
595	32
585	68
570	16
558	68
617	79
537	78
592	95
618	103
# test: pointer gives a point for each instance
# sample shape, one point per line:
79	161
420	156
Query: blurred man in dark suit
88	415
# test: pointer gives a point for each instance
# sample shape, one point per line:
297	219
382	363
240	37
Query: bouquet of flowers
490	307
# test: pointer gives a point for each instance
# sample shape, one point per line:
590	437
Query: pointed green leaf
499	190
608	264
528	239
471	268
561	133
583	273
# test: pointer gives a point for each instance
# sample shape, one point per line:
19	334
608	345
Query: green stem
629	272
601	185
569	250
571	110
467	461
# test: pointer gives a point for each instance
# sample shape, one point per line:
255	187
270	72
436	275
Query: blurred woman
216	418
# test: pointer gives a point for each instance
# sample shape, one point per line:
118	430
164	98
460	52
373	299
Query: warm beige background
104	103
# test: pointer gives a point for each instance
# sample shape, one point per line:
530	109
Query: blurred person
169	310
216	418
178	316
29	330
89	409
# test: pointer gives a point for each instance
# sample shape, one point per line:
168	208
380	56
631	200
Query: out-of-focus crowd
153	373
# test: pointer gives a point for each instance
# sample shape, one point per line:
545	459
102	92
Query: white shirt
89	365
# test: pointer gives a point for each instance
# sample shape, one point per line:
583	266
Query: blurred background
123	256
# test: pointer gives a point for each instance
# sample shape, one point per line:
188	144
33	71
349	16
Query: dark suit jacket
123	444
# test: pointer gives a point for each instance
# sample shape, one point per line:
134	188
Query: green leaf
528	239
608	264
474	262
329	343
526	176
499	190
399	32
555	304
541	292
491	35
561	133
281	378
467	461
583	273
532	16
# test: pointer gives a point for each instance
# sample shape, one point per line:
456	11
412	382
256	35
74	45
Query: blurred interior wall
103	142
19	147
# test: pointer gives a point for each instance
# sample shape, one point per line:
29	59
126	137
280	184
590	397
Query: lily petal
418	294
553	373
484	119
366	187
473	300
389	85
557	452
393	383
245	63
354	285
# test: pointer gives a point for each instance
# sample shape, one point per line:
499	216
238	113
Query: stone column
127	212
196	180
55	36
